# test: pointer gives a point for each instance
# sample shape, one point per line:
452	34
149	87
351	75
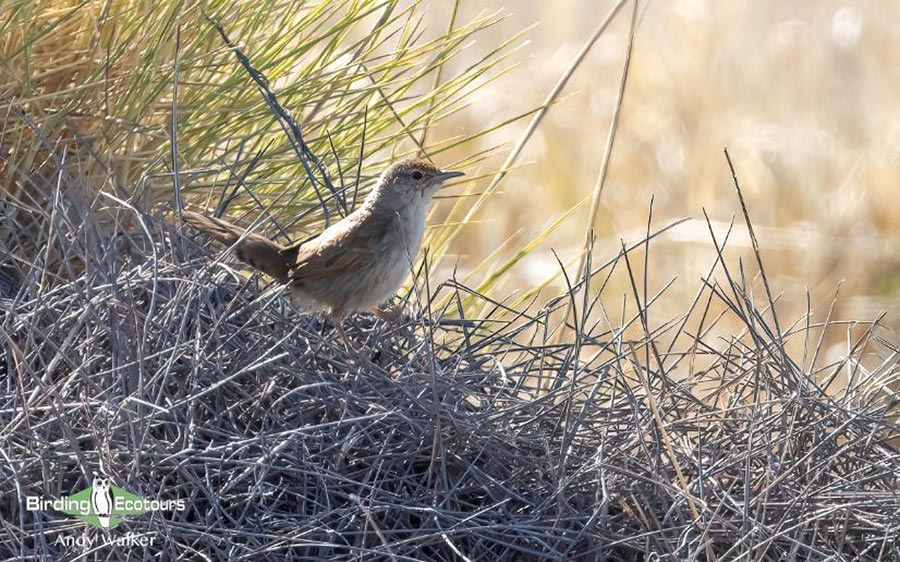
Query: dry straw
465	432
433	440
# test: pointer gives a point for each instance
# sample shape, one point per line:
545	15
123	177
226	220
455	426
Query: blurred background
805	95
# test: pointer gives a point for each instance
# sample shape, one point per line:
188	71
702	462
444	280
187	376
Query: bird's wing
350	247
293	249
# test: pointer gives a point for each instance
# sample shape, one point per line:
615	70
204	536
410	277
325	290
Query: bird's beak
445	175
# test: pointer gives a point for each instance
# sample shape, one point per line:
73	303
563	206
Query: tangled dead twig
449	437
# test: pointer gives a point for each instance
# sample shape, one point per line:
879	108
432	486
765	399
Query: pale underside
357	263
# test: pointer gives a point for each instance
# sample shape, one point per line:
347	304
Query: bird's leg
343	335
358	354
337	319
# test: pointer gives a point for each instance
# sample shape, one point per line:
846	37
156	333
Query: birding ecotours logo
102	505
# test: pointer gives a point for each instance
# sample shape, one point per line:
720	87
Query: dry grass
470	430
803	93
436	439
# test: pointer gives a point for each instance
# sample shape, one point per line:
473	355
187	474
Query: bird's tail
255	250
223	231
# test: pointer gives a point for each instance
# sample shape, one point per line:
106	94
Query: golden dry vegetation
802	94
805	95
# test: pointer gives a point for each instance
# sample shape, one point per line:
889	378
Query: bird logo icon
102	499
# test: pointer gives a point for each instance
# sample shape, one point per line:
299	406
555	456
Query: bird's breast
397	250
410	223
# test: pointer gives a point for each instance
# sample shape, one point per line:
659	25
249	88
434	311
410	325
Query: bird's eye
417	175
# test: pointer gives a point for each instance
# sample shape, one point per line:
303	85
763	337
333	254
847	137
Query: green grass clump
128	92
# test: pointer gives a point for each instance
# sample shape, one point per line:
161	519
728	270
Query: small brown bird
356	263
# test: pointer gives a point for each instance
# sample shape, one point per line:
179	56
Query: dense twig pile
441	438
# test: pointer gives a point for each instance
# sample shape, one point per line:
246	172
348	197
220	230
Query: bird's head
410	182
